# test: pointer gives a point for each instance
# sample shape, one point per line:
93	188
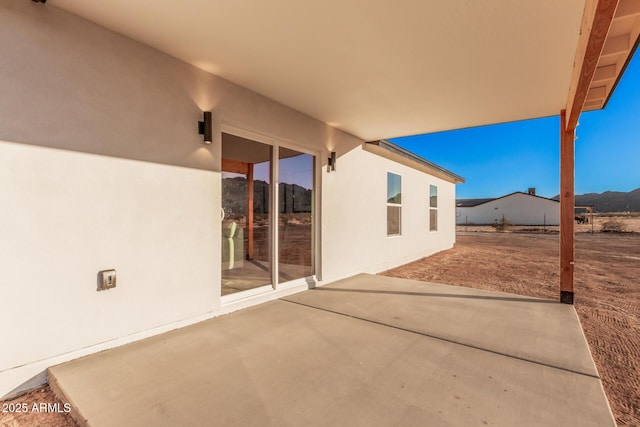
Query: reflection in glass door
295	215
246	223
247	218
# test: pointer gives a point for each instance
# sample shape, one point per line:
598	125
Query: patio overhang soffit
386	69
609	36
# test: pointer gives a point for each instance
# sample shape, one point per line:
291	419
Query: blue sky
500	159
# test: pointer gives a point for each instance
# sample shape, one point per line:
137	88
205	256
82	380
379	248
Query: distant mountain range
292	197
610	201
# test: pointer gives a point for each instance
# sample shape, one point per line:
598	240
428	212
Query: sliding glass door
246	222
295	215
251	221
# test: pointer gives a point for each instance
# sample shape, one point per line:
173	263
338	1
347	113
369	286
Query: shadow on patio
356	352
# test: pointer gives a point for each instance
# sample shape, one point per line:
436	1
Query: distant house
519	208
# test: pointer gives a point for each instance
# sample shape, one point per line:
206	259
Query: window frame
433	207
397	205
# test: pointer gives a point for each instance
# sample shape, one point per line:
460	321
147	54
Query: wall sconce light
331	162
204	128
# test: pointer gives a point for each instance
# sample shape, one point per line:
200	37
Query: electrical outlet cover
106	279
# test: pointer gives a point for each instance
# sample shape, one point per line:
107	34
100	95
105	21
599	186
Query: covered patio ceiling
384	68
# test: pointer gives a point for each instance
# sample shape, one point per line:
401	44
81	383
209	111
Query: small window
394	204
433	208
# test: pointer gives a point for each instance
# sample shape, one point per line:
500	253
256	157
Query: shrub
613	226
502	225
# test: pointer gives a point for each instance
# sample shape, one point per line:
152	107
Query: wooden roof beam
608	72
594	93
596	21
616	45
628	8
590	105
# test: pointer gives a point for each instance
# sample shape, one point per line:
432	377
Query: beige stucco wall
67	215
355	197
101	167
68	83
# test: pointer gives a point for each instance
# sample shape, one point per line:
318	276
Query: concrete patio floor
364	351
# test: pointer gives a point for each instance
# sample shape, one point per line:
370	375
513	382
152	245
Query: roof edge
393	148
506	195
622	71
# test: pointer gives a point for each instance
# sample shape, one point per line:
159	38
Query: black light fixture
331	162
39	1
204	128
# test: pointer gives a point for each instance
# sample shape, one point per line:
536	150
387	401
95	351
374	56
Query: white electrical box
106	280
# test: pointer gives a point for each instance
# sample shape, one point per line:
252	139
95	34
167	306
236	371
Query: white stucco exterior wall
355	216
101	167
518	208
68	215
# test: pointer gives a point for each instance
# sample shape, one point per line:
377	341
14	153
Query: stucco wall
67	215
101	167
355	197
519	209
68	83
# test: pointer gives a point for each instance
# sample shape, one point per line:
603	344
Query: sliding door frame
274	213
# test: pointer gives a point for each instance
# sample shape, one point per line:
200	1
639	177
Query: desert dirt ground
607	293
21	412
607	299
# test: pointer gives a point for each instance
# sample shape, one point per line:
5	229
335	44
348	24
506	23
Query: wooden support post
250	211
567	209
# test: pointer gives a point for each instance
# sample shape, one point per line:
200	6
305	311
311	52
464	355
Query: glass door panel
246	221
295	215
